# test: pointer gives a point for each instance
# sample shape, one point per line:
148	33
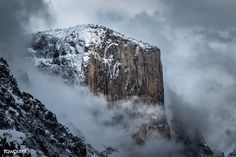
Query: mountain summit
102	59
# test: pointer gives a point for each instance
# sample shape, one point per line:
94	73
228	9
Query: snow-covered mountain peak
101	58
91	34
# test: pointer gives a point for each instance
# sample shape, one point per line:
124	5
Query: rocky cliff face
104	60
108	63
29	129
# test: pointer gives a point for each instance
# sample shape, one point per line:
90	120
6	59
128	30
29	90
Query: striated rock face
124	69
26	125
110	63
106	61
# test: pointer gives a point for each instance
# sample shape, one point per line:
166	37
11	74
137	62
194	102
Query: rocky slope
26	125
105	60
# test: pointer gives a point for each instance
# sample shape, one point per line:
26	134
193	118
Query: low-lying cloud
89	116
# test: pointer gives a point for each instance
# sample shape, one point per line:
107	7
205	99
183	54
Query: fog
197	42
88	115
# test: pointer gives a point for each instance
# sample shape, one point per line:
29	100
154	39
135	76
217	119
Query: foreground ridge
29	129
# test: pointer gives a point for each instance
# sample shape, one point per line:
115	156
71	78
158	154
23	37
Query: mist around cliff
197	40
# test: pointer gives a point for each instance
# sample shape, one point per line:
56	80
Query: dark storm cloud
211	122
217	58
224	36
215	14
214	22
15	18
109	16
147	27
156	148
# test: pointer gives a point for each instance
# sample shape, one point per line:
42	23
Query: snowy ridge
27	128
13	136
66	52
92	34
